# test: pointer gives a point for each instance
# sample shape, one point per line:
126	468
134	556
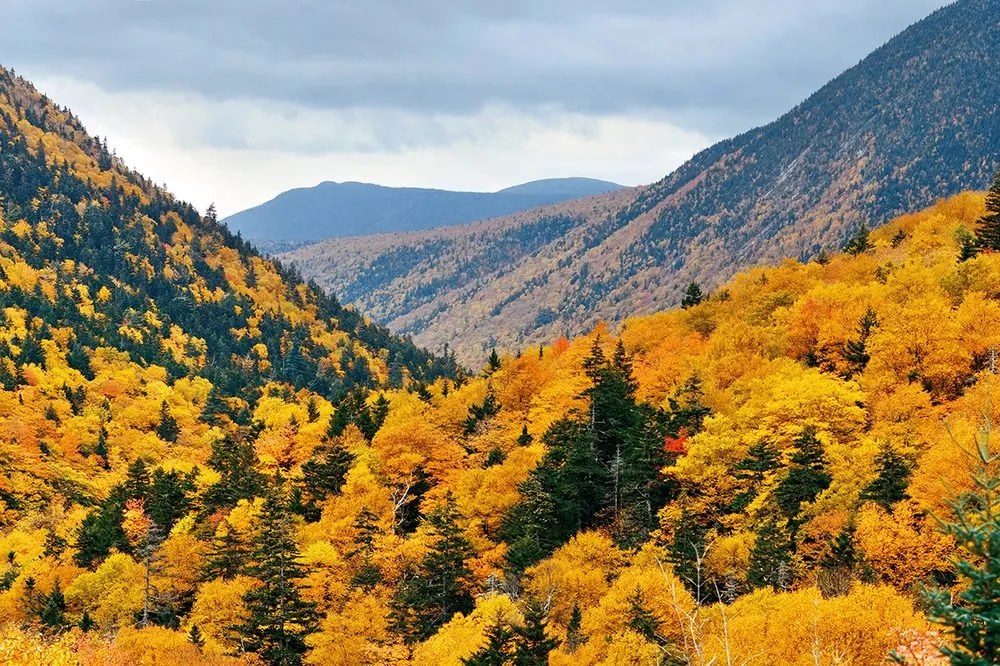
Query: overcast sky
234	101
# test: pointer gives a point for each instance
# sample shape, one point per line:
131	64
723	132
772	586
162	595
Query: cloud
731	63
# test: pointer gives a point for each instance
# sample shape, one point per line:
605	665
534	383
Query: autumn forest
207	459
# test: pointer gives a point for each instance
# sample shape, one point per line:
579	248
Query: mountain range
916	120
331	210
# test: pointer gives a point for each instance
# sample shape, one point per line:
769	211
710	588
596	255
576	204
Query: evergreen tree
324	473
53	608
525	438
477	413
893	478
574	632
531	644
769	558
988	233
856	349
167	430
278	618
973	617
493	364
641	619
807	476
497	651
367	528
86	622
692	296
439	587
760	461
235	460
227	555
195	637
860	243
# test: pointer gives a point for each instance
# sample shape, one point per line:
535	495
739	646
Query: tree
574	632
53	608
641	619
860	243
760	461
856	349
440	585
531	644
988	233
167	430
324	473
807	476
769	558
235	460
195	637
227	555
973	619
497	651
493	363
692	296
278	618
893	478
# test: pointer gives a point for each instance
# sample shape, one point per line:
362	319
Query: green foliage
531	644
692	296
167	429
893	478
279	619
769	558
988	233
860	242
441	584
807	476
497	651
973	618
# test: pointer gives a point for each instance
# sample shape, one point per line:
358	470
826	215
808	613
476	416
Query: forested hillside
206	461
916	120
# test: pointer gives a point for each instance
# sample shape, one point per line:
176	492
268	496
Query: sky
235	101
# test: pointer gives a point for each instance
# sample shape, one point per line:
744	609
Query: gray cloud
713	66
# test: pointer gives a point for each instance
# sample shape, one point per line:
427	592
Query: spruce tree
493	363
856	349
641	619
531	644
195	637
53	608
860	243
497	651
807	476
574	632
893	478
278	618
167	430
86	622
988	233
227	555
769	558
440	585
692	296
324	473
973	615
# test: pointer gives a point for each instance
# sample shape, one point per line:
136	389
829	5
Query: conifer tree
493	363
227	556
893	478
86	622
324	473
234	458
769	558
641	619
973	615
860	243
574	632
167	430
53	608
807	476
856	349
692	296
440	585
195	637
497	651
531	644
366	525
278	618
988	233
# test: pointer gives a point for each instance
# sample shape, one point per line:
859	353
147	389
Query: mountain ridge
335	209
912	122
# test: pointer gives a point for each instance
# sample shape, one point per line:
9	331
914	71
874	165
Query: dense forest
206	460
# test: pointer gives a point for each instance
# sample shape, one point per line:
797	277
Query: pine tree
167	430
641	619
973	618
692	296
227	555
195	637
324	473
493	363
856	350
278	618
234	458
53	609
531	644
574	632
497	651
893	478
769	558
760	461
807	476
525	438
988	233
86	622
439	587
860	243
367	528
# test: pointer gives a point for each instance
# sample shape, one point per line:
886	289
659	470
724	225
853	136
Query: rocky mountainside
916	120
331	210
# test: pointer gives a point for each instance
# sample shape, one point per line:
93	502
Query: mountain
331	210
916	120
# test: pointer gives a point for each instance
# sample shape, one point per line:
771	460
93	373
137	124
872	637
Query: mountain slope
331	210
916	120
